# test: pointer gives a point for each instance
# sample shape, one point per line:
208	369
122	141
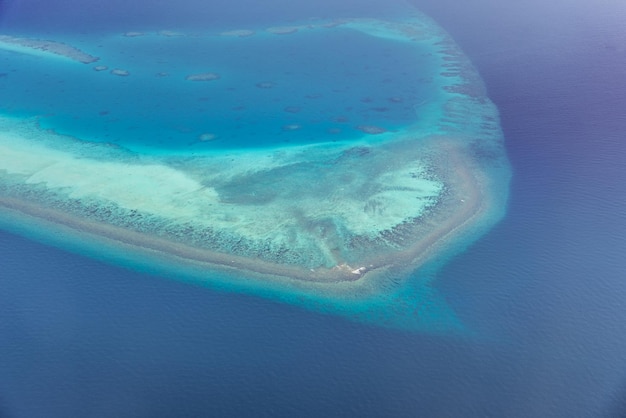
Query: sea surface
543	292
305	92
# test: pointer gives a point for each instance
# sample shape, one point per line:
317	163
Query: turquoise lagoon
332	164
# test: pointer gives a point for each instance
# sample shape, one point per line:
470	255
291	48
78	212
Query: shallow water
305	94
318	161
543	292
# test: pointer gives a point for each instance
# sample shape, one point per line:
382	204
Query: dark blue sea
544	292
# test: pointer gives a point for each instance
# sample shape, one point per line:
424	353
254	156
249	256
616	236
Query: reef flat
332	221
364	209
31	45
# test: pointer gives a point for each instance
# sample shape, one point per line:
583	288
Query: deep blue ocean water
544	291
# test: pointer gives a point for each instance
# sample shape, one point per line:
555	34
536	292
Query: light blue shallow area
306	93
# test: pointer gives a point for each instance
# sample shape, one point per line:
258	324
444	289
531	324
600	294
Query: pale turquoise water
307	92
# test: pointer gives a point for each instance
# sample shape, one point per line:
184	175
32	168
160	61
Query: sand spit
168	249
45	46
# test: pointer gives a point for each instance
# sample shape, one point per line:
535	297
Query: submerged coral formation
239	33
120	72
282	30
52	47
371	129
203	77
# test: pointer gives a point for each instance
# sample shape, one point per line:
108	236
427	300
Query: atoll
334	220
